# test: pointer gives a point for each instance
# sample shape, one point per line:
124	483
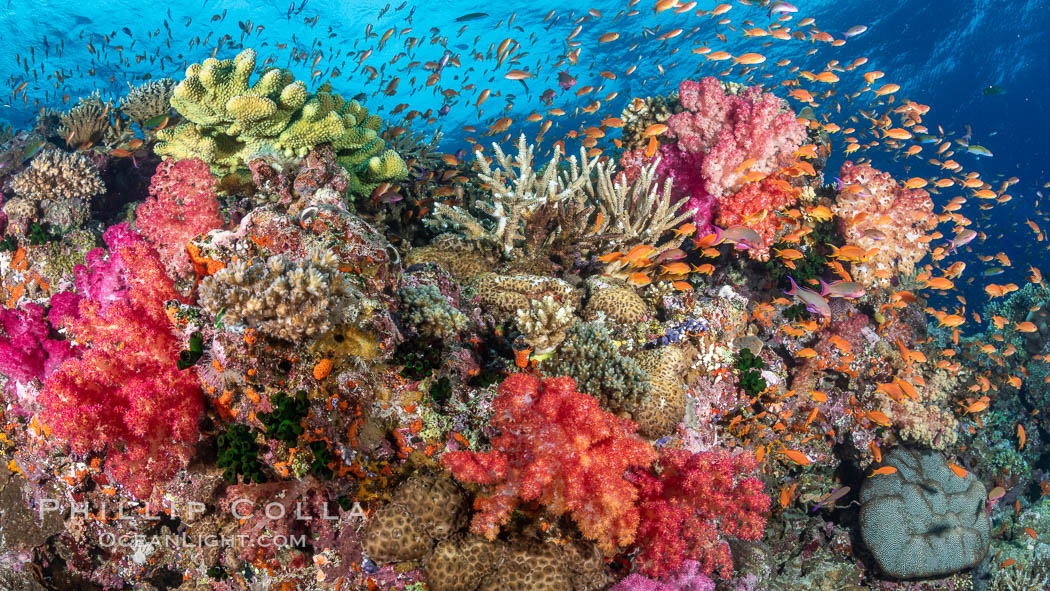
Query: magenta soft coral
27	352
731	129
181	206
124	397
558	447
692	506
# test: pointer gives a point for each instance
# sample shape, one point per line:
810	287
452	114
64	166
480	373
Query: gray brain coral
923	520
284	299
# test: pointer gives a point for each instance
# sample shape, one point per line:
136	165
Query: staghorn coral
696	501
231	121
517	191
181	206
902	216
591	358
544	322
557	447
635	211
291	300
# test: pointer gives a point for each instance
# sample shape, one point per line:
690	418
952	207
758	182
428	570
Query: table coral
557	447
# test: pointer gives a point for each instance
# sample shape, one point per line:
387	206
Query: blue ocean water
942	54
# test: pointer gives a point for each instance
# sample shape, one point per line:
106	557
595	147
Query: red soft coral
558	447
695	502
124	396
770	194
181	206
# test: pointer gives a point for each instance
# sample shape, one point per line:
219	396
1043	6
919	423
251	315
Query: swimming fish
813	301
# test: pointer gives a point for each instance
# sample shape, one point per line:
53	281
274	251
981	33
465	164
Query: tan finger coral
285	299
59	175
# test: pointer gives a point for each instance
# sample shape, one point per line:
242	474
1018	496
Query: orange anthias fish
883	471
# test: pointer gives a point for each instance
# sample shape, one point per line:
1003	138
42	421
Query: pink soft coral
27	352
558	447
688	578
181	206
730	129
884	218
696	501
124	396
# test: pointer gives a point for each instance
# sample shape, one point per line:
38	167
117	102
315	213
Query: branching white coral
544	322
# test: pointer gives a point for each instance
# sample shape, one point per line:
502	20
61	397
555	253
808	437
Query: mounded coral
923	520
504	295
423	509
619	304
664	409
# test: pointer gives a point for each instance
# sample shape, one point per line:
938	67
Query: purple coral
687	578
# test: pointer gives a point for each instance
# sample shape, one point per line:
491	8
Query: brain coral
923	520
